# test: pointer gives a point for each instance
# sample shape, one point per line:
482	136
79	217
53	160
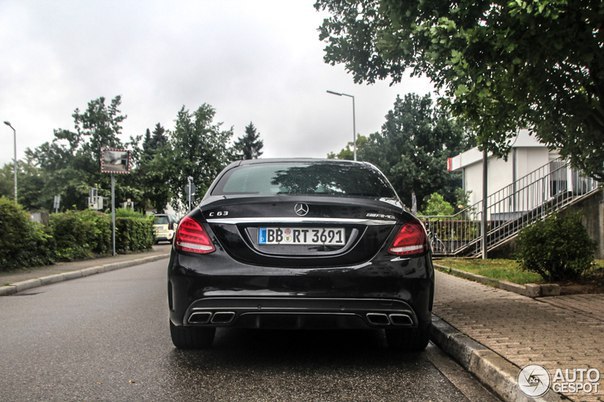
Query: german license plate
302	236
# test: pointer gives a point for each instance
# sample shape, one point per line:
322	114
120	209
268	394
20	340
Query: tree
412	148
249	146
154	168
501	64
70	162
348	152
200	149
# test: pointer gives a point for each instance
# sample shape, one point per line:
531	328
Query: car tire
192	337
409	339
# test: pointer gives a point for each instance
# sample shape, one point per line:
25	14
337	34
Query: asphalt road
106	337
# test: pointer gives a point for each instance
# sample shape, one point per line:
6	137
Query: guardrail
543	191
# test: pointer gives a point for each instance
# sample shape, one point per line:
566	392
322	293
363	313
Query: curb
497	373
532	290
17	287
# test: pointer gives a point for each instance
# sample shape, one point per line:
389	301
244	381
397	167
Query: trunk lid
301	231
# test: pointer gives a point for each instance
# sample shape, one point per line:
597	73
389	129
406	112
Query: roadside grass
510	270
501	269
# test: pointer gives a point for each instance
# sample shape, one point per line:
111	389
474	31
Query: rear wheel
192	337
409	339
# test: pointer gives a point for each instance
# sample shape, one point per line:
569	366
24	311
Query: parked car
164	227
292	244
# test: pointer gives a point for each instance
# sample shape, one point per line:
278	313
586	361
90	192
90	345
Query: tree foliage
200	147
69	164
437	206
500	64
162	160
249	146
412	149
154	168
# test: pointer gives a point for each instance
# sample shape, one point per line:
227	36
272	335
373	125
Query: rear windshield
312	178
161	220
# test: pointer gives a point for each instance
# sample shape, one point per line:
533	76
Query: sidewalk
22	279
562	332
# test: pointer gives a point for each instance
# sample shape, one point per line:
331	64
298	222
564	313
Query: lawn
507	270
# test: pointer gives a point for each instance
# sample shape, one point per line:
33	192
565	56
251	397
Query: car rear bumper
299	312
379	294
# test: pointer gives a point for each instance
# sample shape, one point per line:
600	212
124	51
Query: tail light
191	237
411	239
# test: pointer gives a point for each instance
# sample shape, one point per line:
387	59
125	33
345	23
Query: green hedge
71	235
81	234
22	243
133	234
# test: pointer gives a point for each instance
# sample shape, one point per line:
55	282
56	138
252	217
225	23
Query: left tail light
191	237
411	239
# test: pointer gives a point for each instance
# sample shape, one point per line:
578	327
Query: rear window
310	178
161	220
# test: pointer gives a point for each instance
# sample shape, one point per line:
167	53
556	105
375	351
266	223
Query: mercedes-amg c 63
300	244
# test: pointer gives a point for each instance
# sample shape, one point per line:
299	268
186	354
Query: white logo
301	209
533	380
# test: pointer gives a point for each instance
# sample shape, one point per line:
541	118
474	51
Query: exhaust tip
200	317
377	318
401	319
223	317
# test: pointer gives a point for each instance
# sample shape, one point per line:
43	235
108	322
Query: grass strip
500	269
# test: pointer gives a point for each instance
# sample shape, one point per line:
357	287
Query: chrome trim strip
277	220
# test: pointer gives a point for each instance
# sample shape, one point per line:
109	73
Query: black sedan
300	244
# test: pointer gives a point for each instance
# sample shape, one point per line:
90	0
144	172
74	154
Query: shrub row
22	243
71	235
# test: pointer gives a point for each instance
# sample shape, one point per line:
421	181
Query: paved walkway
565	332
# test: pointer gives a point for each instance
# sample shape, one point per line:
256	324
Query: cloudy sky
258	61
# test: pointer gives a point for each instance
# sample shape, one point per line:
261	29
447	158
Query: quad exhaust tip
223	317
401	319
207	317
378	318
200	317
383	319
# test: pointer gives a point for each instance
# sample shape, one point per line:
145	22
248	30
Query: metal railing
547	189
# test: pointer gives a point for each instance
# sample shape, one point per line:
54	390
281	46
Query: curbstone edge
497	373
532	290
16	287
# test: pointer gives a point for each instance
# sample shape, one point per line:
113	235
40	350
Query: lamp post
15	160
354	125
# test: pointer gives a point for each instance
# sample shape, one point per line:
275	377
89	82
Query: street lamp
15	160
354	124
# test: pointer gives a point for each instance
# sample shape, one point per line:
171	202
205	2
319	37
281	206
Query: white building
527	155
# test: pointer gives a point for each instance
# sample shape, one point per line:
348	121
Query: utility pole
354	122
15	154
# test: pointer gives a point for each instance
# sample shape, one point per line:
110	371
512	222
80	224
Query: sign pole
114	161
190	180
113	213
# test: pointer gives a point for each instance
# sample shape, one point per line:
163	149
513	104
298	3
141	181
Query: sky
255	61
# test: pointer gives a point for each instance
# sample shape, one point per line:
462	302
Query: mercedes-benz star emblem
301	209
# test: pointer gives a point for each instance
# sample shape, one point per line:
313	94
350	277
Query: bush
436	205
133	233
81	234
23	243
557	248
